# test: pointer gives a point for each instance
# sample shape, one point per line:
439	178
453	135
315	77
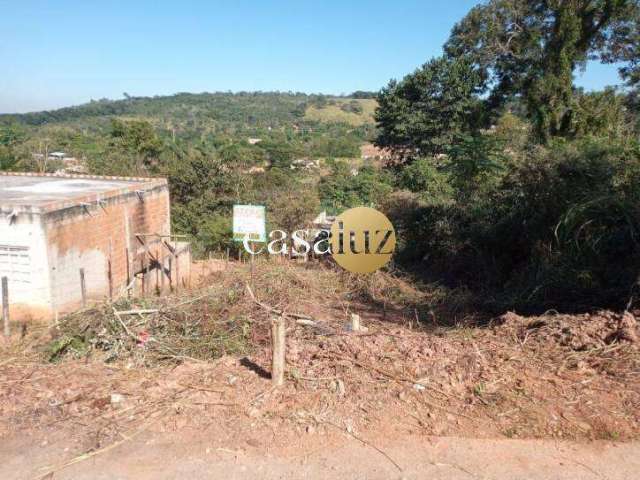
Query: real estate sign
249	221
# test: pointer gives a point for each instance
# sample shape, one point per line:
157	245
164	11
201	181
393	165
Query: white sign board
249	221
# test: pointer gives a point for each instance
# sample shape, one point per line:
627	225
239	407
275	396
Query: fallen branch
85	456
135	312
124	325
270	309
8	360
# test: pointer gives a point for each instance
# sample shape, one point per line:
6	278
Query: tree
362	94
475	164
531	48
11	137
343	189
426	179
422	114
600	114
352	106
279	154
137	138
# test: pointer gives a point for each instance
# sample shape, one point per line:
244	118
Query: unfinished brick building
66	240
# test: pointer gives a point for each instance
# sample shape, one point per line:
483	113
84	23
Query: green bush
346	188
559	230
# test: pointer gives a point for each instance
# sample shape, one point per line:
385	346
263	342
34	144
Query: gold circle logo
362	240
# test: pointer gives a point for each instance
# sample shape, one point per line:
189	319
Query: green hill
341	110
210	111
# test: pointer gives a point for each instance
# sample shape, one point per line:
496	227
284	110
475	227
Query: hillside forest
508	186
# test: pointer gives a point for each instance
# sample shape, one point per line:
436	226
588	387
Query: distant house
305	163
57	156
369	151
323	221
69	164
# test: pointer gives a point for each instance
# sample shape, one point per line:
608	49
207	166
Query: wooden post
252	267
158	271
110	272
162	274
278	343
5	306
145	262
189	265
142	269
110	277
83	288
126	251
171	277
177	270
355	322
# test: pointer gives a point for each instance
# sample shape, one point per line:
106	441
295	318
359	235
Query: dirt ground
403	399
155	455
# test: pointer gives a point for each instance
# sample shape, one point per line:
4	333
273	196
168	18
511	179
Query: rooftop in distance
46	192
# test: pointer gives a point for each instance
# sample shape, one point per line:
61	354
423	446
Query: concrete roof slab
49	192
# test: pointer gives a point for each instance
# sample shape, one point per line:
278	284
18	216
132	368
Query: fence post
83	288
110	271
162	273
177	270
157	271
278	342
5	306
126	252
355	323
143	268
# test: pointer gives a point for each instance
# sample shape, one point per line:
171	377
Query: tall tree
137	138
531	48
423	113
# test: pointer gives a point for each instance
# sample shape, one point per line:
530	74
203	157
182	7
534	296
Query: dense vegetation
502	178
521	187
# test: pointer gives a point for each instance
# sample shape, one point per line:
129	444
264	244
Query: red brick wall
91	237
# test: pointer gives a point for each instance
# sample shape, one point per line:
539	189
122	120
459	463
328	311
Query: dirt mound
205	359
576	332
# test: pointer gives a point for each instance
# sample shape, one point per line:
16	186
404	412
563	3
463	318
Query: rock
116	398
627	328
584	426
338	387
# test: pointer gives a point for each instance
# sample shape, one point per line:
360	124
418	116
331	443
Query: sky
61	52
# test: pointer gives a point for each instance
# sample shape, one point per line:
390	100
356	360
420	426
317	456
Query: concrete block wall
90	236
23	260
